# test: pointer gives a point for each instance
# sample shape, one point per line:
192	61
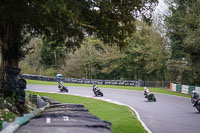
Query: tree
31	64
183	31
66	21
144	57
174	24
84	62
51	54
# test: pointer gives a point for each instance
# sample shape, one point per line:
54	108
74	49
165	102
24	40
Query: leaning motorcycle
97	92
196	103
61	87
150	96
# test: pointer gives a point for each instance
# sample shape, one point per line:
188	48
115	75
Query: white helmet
145	88
193	91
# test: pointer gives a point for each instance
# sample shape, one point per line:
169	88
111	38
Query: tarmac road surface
169	114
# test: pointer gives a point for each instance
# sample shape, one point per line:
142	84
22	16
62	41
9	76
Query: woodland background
166	49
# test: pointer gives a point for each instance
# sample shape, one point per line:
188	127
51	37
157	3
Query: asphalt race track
169	114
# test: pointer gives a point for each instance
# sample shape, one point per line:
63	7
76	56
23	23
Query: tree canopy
66	22
183	30
143	58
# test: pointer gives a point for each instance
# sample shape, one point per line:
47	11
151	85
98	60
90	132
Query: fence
186	89
139	83
159	84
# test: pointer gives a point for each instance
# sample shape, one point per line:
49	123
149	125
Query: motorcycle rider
61	86
195	97
97	91
146	92
95	88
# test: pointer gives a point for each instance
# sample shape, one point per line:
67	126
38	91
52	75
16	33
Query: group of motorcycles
195	99
96	90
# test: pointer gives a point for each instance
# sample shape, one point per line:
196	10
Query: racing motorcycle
150	96
61	87
97	92
196	101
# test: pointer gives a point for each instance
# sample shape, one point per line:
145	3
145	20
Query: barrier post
170	86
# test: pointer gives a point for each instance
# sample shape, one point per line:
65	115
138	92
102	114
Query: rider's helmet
94	86
145	88
194	93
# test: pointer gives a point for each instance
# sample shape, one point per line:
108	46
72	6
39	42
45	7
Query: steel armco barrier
139	83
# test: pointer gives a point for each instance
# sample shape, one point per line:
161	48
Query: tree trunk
7	49
5	61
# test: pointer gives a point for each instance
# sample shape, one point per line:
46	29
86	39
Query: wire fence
157	84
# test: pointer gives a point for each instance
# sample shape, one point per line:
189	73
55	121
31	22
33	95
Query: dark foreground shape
14	86
65	118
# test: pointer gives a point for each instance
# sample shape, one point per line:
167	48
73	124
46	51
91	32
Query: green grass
123	118
158	90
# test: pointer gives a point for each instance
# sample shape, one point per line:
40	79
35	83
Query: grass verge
158	90
123	118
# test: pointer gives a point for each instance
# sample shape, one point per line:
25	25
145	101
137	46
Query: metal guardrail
84	81
139	83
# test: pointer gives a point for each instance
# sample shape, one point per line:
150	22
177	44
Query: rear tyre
100	93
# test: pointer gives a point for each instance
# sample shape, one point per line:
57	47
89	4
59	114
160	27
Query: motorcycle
150	96
61	87
196	102
97	92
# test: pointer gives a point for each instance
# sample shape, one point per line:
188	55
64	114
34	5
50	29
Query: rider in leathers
194	97
146	91
95	88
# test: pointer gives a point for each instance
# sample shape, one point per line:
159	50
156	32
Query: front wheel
198	107
100	93
154	99
65	89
